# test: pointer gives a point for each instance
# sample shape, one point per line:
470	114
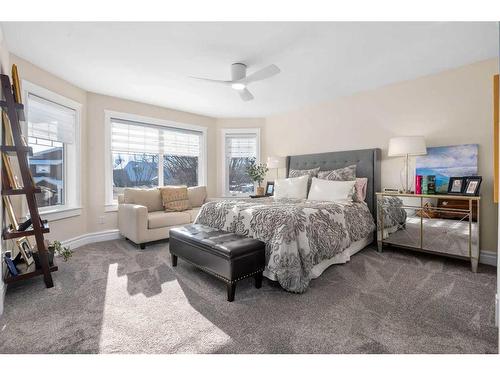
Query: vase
260	190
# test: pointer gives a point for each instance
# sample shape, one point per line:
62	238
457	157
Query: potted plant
55	247
257	172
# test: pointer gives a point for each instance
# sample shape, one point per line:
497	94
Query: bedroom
195	193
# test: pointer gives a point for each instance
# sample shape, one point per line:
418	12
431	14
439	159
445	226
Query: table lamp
275	162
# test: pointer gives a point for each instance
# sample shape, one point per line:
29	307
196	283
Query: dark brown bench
225	255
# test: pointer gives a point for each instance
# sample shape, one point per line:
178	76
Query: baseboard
85	239
488	257
497	311
3	290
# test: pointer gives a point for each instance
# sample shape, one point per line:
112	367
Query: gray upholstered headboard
367	161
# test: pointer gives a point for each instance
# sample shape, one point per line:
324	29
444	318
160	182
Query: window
148	153
240	145
52	132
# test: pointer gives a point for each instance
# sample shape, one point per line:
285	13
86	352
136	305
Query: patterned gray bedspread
298	233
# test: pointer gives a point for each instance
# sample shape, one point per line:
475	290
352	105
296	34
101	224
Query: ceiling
152	62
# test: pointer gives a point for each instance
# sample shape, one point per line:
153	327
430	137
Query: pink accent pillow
360	189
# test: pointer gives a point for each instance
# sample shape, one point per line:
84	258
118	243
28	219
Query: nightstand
439	224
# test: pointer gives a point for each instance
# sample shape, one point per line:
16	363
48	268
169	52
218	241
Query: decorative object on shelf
391	190
418	184
275	162
25	249
257	172
25	225
407	146
456	185
472	185
13	271
9	140
424	184
446	161
10	212
270	188
9	172
431	184
16	85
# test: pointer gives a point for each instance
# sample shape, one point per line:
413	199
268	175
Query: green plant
257	172
57	248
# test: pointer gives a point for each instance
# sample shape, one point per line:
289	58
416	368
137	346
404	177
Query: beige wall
95	178
450	108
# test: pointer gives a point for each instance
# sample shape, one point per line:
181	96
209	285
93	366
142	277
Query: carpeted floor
113	298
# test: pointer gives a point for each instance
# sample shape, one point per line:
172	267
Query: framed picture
10	212
270	188
16	85
456	185
26	250
472	185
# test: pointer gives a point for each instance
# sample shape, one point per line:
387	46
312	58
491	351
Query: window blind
135	137
241	145
50	121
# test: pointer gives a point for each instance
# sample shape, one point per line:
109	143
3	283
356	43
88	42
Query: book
418	184
424	185
10	265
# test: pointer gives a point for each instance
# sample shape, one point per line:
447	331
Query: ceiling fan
239	79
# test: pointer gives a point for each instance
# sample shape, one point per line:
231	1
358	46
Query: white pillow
327	190
291	187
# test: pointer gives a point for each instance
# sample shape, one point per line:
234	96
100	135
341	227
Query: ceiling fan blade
264	73
246	95
211	80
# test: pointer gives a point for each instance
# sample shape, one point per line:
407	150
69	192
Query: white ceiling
151	62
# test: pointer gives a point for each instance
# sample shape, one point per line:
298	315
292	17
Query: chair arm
133	221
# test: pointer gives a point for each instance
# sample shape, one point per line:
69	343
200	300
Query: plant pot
38	263
260	190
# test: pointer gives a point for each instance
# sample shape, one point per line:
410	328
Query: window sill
111	207
60	213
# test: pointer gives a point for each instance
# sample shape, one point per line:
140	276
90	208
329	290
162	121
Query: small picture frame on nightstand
456	185
472	185
270	188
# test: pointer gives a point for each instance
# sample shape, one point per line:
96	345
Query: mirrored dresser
439	224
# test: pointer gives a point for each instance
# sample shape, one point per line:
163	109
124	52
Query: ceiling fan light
238	86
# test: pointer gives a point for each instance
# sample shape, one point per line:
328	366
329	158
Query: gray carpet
111	297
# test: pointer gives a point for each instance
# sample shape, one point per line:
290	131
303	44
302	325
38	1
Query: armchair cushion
160	219
197	195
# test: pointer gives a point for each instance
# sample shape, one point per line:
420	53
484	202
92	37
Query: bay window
147	153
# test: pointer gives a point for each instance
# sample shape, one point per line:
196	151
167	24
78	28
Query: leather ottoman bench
225	255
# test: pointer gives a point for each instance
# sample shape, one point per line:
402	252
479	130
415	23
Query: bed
303	237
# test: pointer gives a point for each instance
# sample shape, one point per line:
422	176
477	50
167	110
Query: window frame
224	164
71	159
111	204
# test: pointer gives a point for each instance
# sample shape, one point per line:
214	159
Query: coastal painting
448	161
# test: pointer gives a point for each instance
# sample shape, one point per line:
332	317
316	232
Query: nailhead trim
219	276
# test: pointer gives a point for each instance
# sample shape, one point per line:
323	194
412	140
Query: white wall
449	108
4	69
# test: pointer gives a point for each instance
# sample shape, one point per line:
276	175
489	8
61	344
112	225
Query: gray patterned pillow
304	172
342	174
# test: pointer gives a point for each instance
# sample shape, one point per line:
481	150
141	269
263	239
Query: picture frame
16	85
472	185
269	188
456	185
24	246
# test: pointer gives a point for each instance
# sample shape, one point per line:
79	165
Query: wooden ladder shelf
15	113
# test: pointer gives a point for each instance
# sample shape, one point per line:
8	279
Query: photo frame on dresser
456	185
472	185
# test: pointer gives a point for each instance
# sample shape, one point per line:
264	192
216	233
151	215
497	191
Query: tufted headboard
367	161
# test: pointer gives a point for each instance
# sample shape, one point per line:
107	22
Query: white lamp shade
275	162
402	146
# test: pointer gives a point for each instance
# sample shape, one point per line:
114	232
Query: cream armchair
141	217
